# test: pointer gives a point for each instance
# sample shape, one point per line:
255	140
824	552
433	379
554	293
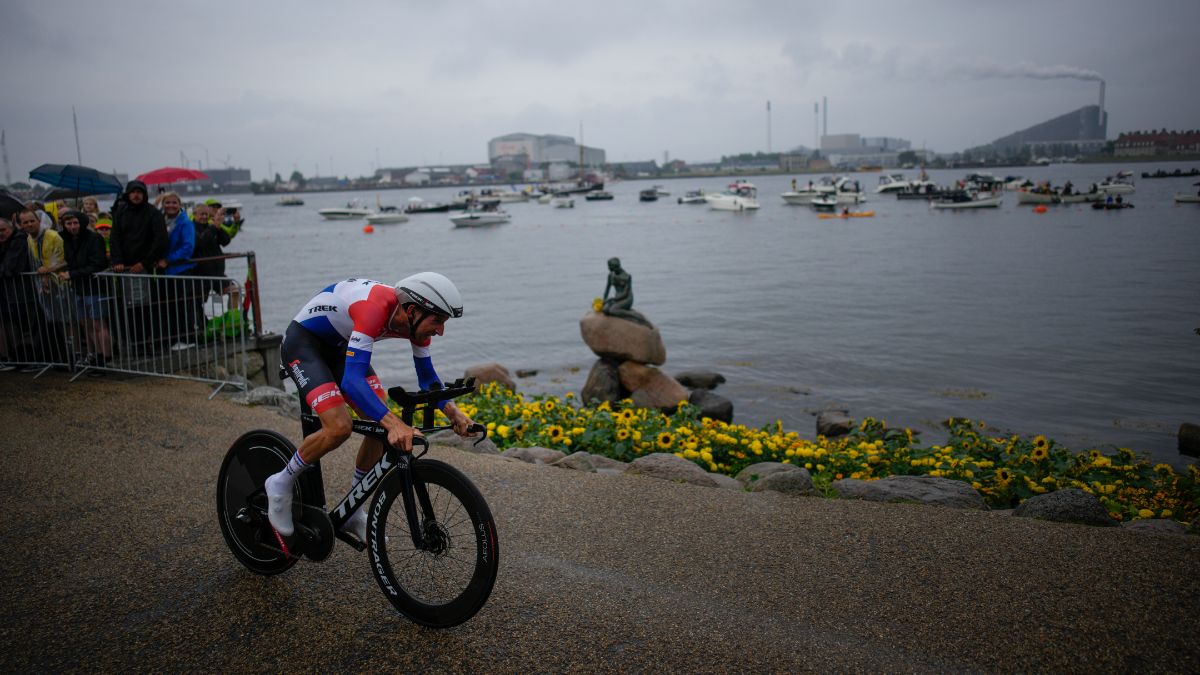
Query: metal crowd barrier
184	327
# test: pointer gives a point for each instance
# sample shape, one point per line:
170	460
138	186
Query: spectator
46	248
104	229
91	206
139	233
39	209
181	236
15	311
85	257
45	245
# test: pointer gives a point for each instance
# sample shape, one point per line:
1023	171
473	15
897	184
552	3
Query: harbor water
1073	323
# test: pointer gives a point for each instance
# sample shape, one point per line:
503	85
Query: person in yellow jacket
46	245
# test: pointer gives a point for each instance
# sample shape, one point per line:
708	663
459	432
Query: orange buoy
368	228
1040	208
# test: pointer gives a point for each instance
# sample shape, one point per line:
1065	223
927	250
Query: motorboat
387	215
926	190
848	191
479	218
1017	183
693	197
1177	173
661	192
1117	186
467	199
290	201
650	195
1032	197
418	205
741	196
969	199
598	196
1187	199
351	211
562	202
545	198
894	182
1081	197
825	202
508	196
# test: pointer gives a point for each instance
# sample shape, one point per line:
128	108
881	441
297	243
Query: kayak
1109	207
856	214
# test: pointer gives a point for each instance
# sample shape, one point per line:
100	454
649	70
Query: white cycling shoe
279	502
357	525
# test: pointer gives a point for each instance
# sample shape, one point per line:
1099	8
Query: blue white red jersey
355	314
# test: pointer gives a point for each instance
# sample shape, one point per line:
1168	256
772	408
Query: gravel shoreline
114	561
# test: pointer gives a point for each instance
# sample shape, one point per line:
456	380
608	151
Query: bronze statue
620	305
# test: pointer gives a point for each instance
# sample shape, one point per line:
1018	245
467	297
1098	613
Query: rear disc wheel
242	501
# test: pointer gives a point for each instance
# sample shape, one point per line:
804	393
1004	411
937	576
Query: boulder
534	455
1189	439
622	340
651	387
589	463
270	396
527	372
700	379
491	372
448	437
759	471
712	406
833	423
1156	526
795	482
603	384
669	467
1069	505
727	482
921	489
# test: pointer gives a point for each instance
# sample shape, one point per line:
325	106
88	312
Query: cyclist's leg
316	369
369	453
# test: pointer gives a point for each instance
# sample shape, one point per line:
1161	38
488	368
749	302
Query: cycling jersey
354	314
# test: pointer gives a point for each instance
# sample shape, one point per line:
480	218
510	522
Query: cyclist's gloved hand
458	420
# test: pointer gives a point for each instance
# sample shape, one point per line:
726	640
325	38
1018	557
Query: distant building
836	142
535	150
1149	143
1084	129
632	169
886	143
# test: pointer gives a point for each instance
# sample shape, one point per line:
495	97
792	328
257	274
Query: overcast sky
343	87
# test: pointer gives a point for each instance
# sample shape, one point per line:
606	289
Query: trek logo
323	396
363	488
322	308
298	373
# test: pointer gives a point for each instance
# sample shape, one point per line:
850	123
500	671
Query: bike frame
393	459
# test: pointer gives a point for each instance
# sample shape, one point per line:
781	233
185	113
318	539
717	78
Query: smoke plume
987	71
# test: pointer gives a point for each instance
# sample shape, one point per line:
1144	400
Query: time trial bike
431	540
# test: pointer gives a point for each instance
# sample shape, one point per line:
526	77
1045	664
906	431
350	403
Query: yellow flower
597	304
1003	475
1145	513
502	431
577	431
554	432
1040	443
665	440
622	434
548	406
1039	452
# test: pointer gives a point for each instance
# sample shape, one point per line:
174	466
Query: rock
447	437
700	379
254	362
759	471
589	463
603	384
796	482
1156	526
1195	527
622	340
527	372
651	387
271	396
833	423
669	467
490	372
713	406
534	455
1070	505
726	482
1189	439
922	489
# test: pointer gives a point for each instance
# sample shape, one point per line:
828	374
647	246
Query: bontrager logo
376	556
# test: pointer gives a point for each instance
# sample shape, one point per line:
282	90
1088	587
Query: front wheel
448	578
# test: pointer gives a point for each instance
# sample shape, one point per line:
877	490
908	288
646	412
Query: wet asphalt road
112	560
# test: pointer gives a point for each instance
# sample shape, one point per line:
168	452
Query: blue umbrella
81	178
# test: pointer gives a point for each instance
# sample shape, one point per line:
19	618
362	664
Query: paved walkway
112	560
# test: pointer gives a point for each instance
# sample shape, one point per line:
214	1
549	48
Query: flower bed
1005	470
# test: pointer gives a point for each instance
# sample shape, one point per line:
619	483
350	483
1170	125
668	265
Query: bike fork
413	492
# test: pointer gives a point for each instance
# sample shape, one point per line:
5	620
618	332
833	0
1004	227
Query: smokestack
1100	120
825	107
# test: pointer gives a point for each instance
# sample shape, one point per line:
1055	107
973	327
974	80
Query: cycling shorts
317	367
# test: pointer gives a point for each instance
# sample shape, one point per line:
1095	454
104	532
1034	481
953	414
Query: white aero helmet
431	291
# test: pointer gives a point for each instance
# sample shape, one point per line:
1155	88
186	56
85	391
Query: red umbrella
171	174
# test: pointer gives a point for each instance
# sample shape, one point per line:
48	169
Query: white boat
661	192
895	182
1119	186
741	196
351	211
545	198
825	202
290	201
479	218
693	197
1027	197
511	196
1187	199
562	202
975	200
1017	183
388	215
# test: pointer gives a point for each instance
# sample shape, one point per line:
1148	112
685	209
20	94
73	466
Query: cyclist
329	343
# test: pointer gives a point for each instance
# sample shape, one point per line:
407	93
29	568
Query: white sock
356	524
279	489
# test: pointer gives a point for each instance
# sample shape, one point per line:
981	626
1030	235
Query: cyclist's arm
427	377
369	319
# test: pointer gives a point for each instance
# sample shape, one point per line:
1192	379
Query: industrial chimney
1101	119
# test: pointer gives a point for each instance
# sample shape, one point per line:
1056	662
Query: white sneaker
279	502
357	525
